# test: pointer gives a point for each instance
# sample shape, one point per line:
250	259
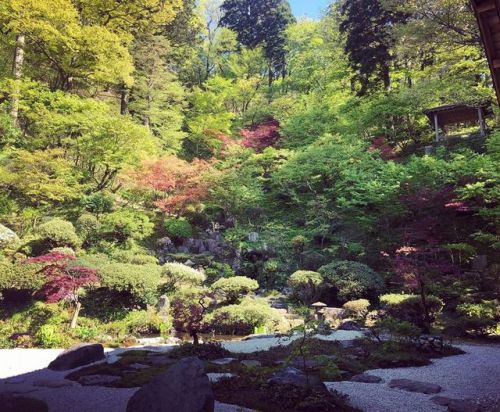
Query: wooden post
481	121
436	126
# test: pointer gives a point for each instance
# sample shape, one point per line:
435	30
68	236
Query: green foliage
20	276
410	308
351	280
479	318
234	288
136	322
135	284
125	224
58	233
175	275
241	319
305	284
88	228
357	308
97	203
178	228
135	257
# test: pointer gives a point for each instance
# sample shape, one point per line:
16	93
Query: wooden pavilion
488	18
443	116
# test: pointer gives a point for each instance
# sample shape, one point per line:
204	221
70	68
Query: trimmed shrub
351	280
97	203
134	257
174	275
357	308
134	284
241	319
64	251
137	322
126	224
409	307
305	285
20	277
234	288
178	228
479	318
88	228
58	233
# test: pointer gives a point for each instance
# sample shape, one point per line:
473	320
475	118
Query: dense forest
191	165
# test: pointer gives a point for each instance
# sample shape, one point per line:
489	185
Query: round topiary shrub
125	224
305	284
357	309
350	280
88	227
58	233
410	308
234	288
174	275
178	228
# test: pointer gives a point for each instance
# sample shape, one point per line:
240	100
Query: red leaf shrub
261	136
63	280
386	151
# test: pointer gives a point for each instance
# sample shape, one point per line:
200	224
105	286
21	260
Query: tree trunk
427	317
17	71
194	335
75	315
124	98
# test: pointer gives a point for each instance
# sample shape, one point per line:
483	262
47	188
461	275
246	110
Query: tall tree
261	22
367	26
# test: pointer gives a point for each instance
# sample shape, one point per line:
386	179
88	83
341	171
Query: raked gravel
474	375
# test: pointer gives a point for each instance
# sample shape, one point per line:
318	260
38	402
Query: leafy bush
409	307
97	203
176	274
63	250
479	318
178	228
134	284
398	329
58	233
20	276
134	257
235	287
88	227
124	224
351	280
137	322
357	308
241	319
305	284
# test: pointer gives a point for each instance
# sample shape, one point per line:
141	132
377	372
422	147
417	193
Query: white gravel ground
474	375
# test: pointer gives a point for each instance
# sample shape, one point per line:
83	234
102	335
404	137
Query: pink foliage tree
261	136
63	280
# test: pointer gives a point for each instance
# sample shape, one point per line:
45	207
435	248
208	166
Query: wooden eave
488	17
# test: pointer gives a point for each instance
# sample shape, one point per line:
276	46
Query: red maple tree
260	136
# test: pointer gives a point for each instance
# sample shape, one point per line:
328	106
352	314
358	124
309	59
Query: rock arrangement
184	387
415	386
430	343
76	356
213	244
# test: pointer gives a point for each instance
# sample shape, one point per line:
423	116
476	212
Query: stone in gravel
98	380
349	325
251	363
295	377
138	366
456	405
78	355
216	377
366	378
14	403
415	386
48	383
184	387
223	361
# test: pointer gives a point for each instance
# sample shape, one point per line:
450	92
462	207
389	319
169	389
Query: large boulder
77	356
456	405
295	377
6	236
184	387
415	386
16	403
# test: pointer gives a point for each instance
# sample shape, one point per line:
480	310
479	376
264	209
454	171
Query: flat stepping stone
251	363
216	377
223	361
48	383
415	386
456	405
138	366
98	380
366	378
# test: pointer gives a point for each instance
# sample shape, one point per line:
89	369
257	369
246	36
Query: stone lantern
318	310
